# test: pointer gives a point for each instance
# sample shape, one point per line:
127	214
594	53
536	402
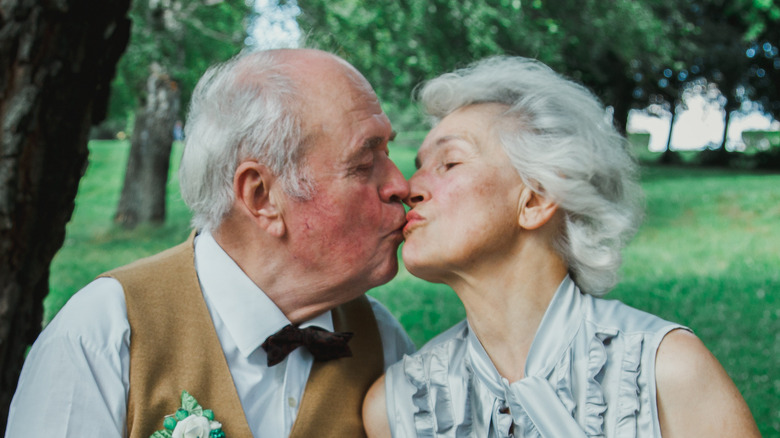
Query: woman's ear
256	191
534	209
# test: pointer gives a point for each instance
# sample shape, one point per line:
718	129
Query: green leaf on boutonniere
190	414
189	403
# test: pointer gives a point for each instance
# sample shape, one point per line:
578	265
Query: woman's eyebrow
436	145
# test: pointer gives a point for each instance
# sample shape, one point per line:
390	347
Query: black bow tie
322	344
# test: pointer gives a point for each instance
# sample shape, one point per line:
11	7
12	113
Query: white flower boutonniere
190	421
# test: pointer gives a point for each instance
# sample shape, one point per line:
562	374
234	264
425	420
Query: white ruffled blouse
590	372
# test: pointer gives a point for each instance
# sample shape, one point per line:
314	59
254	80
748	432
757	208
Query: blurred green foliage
761	140
184	38
630	53
398	44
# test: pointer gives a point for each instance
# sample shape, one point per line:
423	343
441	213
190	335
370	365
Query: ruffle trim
595	403
434	412
424	423
628	393
433	402
562	383
627	404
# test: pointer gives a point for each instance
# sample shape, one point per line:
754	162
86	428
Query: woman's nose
417	192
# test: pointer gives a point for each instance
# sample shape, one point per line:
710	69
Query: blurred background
694	85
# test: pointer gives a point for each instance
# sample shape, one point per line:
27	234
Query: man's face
349	231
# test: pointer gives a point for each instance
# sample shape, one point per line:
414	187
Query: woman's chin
424	271
413	260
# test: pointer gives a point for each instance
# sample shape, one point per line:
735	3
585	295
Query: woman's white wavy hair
244	108
558	137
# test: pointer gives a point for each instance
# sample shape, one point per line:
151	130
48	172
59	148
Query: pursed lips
413	220
398	227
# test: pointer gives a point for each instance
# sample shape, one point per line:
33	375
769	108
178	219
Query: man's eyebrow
373	142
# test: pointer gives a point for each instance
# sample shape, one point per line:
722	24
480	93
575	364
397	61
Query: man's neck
298	293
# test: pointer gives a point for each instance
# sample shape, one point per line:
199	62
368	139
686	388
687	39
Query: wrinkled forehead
322	72
333	92
468	122
314	72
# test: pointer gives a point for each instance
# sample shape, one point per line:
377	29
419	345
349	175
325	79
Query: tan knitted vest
174	347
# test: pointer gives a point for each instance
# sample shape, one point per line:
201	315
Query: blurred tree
762	19
724	42
146	177
631	53
763	35
56	63
720	39
609	46
398	44
172	44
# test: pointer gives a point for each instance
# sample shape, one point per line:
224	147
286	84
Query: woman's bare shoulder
696	397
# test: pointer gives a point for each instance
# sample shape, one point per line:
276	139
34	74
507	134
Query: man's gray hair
245	108
558	137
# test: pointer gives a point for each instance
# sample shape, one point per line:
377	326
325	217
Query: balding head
310	69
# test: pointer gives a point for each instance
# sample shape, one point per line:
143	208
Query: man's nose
395	187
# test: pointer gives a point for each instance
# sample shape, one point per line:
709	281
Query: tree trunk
143	193
623	89
726	123
57	60
620	116
721	156
668	155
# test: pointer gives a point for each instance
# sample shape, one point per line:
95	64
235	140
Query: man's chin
386	273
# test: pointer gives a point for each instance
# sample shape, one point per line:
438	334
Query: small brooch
190	421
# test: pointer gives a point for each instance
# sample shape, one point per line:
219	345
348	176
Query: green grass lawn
707	257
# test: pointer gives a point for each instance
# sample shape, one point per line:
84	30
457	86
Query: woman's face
464	198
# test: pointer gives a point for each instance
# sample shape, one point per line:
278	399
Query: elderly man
297	210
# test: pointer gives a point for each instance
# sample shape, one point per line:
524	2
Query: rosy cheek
451	192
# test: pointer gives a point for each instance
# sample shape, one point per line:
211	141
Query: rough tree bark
57	59
143	193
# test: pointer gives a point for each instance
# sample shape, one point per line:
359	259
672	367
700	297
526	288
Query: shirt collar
246	311
558	327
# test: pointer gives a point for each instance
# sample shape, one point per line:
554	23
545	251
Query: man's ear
256	191
534	209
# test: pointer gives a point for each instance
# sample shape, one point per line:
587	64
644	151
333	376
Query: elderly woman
524	197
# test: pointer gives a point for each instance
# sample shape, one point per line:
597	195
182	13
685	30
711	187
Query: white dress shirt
75	379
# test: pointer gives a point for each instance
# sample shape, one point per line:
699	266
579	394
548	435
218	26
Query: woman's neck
505	307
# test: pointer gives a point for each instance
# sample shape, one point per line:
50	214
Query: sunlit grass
706	257
93	244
